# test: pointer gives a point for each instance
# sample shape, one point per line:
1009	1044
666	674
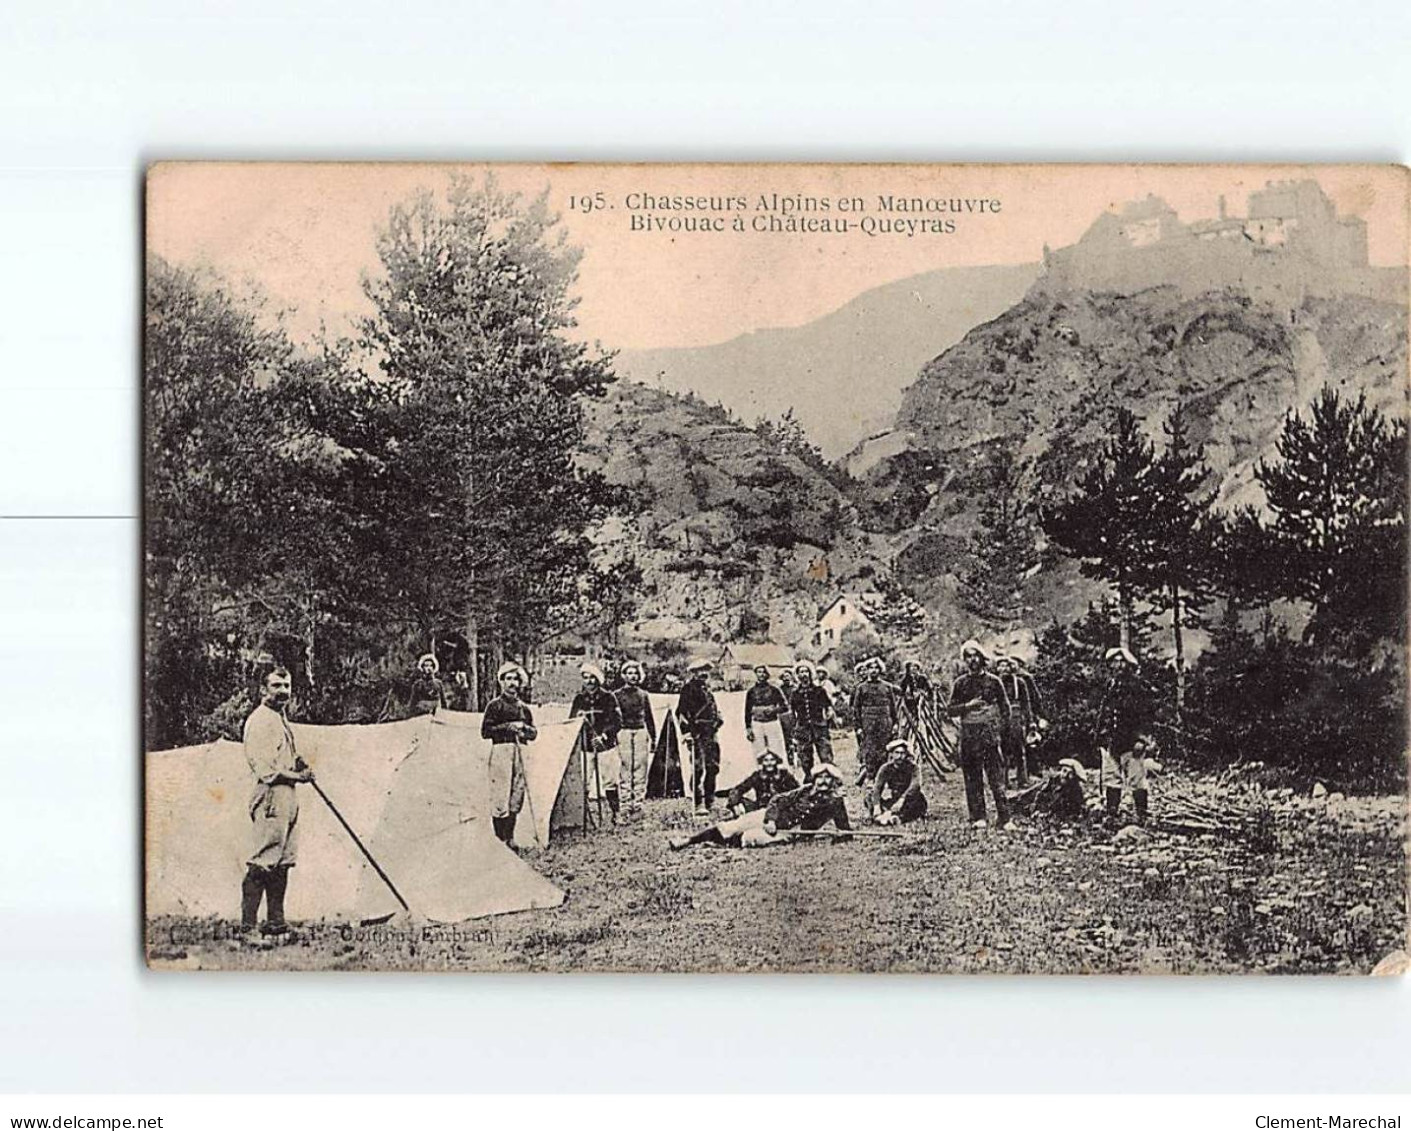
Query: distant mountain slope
842	374
1043	379
736	539
1049	372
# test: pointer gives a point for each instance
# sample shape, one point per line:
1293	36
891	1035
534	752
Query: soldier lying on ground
805	809
1059	795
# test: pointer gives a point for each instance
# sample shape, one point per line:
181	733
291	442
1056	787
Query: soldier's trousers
872	742
790	742
505	773
274	817
636	754
1016	752
705	761
811	739
982	758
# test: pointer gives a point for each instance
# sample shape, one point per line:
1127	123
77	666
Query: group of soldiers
796	788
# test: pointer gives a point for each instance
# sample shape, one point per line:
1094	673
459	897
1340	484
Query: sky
304	234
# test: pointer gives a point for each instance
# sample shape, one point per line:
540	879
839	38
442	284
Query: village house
848	610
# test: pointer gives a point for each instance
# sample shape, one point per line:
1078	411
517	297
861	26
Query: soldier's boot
252	890
504	828
614	803
1114	802
1139	798
275	887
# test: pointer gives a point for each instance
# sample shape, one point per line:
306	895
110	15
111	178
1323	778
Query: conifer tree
1338	496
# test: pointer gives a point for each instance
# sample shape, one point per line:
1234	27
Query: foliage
253	537
1003	551
1107	522
1301	709
303	511
487	507
1338	496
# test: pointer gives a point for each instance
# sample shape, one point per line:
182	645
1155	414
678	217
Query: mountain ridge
873	344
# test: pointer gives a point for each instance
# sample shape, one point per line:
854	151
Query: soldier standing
764	704
1015	739
508	724
428	692
813	711
875	714
637	739
978	700
1122	715
786	718
700	719
274	808
601	723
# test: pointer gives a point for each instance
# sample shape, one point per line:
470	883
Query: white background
91	92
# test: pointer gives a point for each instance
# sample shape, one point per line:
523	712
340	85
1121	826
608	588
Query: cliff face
1046	375
736	538
1042	380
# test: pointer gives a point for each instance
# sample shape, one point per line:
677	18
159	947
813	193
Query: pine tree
1004	550
1176	574
471	328
1338	495
1246	565
1107	522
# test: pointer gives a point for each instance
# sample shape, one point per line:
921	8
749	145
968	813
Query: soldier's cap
435	663
1076	766
592	670
632	665
826	769
699	666
768	753
972	646
1122	654
511	666
899	744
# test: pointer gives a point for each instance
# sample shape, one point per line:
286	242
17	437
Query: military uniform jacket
811	705
500	712
697	711
993	705
269	750
601	718
875	704
764	703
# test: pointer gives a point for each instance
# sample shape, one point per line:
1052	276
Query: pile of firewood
1181	813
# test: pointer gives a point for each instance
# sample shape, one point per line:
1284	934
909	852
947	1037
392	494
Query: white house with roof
848	610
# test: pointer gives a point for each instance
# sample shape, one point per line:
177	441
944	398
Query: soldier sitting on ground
765	783
896	797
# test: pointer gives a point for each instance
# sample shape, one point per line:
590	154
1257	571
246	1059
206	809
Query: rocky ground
1305	885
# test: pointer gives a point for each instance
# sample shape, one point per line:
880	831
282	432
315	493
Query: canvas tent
554	771
670	772
198	825
434	837
737	758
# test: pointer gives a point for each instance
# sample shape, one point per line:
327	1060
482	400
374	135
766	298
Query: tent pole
347	828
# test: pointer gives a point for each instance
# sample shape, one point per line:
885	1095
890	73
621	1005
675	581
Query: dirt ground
1322	890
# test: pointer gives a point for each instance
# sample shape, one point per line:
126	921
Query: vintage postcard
739	568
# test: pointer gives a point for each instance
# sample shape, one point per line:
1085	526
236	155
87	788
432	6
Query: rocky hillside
737	539
1041	381
874	346
1049	372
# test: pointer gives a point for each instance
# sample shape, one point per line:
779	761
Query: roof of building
752	655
